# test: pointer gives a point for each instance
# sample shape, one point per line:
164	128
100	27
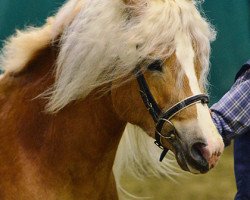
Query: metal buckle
158	145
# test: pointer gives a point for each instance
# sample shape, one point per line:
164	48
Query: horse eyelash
156	66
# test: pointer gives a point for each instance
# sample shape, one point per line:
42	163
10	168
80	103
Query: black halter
161	117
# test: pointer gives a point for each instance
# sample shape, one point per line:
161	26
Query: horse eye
156	66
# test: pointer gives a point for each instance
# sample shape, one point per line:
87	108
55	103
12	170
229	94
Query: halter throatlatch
161	117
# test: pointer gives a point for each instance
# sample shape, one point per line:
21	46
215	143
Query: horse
82	96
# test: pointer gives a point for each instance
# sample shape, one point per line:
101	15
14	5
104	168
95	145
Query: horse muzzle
196	157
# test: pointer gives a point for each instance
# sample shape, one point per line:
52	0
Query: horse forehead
185	55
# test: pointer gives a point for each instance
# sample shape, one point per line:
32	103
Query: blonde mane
21	48
102	40
107	39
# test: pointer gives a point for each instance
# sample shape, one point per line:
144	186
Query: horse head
173	75
111	42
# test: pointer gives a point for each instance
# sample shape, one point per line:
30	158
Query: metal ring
171	135
165	137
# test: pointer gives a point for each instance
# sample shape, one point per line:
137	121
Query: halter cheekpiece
161	117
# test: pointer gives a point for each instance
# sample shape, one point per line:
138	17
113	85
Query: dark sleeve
231	114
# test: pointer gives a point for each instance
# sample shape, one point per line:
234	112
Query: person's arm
231	114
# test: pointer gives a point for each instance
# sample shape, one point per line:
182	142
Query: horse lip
184	161
201	167
178	145
181	160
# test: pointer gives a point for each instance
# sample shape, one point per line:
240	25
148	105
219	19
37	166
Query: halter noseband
161	117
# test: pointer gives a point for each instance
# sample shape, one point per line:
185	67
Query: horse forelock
107	39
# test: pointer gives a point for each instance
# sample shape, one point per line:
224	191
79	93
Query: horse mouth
181	160
187	162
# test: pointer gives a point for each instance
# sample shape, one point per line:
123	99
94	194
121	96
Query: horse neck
92	120
89	132
77	145
96	127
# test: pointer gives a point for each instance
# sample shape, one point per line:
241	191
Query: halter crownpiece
161	117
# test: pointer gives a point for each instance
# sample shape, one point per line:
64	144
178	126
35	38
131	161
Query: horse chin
181	160
180	155
185	165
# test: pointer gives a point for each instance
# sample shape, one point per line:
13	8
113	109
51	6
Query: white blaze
185	56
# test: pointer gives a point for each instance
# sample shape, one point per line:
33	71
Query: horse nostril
197	154
196	150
